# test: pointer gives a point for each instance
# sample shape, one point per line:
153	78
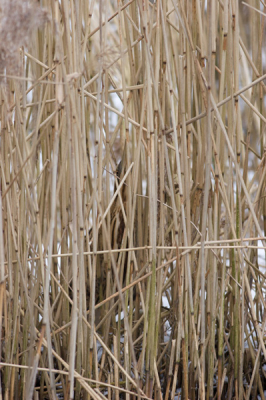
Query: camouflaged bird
104	272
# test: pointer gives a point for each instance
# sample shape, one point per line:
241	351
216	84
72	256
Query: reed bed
133	199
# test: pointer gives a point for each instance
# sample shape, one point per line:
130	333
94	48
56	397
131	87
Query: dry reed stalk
150	280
